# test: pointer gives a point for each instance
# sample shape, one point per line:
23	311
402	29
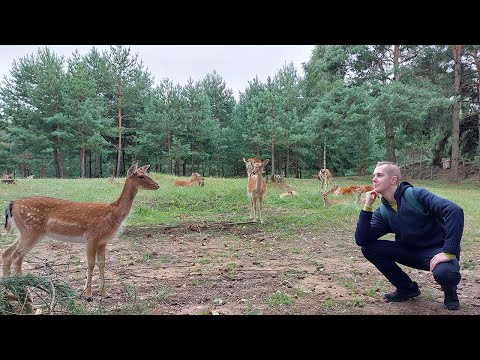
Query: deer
324	175
326	193
196	178
358	190
256	188
92	224
288	193
249	164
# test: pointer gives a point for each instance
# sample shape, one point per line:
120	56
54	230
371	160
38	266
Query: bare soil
234	269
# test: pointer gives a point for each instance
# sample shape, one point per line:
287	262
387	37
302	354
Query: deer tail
8	216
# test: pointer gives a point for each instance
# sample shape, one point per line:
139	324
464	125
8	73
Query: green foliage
279	298
16	293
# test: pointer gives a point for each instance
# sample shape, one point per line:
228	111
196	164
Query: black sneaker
403	294
451	300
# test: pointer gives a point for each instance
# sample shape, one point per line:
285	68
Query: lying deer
288	193
256	188
354	189
196	178
93	224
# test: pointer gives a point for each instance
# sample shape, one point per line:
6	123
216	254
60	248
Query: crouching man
427	229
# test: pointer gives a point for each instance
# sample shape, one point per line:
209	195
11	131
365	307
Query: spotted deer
256	188
92	224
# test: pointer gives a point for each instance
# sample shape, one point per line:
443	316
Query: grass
225	200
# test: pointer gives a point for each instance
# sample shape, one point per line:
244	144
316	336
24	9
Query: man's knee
447	273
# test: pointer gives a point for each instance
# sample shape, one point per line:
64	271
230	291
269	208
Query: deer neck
259	181
123	204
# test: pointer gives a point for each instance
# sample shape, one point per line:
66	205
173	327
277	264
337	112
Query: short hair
391	169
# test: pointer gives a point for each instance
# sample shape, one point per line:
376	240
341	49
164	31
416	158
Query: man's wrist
367	208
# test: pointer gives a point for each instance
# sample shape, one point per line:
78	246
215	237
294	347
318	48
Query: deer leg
7	258
255	209
250	208
101	268
260	204
91	252
18	251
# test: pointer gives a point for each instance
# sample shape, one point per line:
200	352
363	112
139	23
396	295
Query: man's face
381	180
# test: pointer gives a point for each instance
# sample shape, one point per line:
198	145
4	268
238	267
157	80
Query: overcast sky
236	64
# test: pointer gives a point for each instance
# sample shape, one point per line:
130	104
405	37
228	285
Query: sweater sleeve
451	215
370	227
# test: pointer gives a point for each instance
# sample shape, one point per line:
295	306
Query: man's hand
437	259
370	198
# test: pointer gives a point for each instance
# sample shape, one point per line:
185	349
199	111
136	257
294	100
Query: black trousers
387	254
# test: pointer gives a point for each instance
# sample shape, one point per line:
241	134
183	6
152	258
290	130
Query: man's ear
396	179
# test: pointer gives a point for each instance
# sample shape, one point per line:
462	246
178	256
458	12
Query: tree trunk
390	140
389	125
55	160
287	160
477	65
457	57
169	145
119	153
82	154
273	156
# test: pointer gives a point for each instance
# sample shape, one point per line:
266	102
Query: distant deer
196	178
354	189
256	188
249	164
288	193
93	224
326	193
324	175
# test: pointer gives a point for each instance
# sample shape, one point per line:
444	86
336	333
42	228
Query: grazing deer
93	224
250	163
324	175
196	178
256	188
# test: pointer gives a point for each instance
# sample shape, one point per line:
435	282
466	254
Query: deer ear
245	161
132	169
265	162
144	168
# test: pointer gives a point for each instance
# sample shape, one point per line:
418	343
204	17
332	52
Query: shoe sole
403	299
455	307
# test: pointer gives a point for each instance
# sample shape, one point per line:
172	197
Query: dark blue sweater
412	229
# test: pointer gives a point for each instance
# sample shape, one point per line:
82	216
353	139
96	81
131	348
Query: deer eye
141	176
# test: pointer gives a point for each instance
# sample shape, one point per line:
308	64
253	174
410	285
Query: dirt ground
238	269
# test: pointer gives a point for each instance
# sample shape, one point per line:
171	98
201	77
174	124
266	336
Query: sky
236	64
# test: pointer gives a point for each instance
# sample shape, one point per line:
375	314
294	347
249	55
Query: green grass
225	200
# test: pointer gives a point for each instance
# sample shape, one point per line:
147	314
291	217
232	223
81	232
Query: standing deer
93	224
324	175
256	188
249	164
